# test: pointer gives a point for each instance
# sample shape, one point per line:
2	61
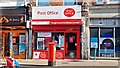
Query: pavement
67	62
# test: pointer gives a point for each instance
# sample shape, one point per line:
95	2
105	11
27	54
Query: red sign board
57	22
69	12
43	54
59	54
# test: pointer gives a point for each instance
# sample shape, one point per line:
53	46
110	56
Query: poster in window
15	50
61	40
21	47
106	47
71	39
40	43
14	40
22	38
44	34
94	42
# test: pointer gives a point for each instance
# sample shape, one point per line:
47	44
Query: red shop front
66	33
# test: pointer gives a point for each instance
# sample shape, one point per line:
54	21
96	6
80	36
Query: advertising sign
56	12
43	54
44	34
21	47
106	47
59	54
94	43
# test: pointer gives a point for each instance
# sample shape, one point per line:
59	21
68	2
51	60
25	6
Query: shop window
43	2
43	39
117	42
59	38
94	41
106	42
69	2
15	50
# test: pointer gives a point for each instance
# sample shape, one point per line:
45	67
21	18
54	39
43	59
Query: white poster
44	34
36	55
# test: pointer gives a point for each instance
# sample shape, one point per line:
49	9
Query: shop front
105	35
56	23
13	32
13	42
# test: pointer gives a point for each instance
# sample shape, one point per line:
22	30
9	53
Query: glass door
70	45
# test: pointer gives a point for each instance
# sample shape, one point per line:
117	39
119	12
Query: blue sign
94	42
106	35
106	47
21	47
110	51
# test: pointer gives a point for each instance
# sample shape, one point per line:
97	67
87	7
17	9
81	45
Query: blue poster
21	47
94	42
106	47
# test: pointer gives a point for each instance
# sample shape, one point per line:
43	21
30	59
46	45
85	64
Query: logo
69	12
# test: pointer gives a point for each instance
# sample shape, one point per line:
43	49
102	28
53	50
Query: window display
94	39
106	41
21	47
106	47
22	38
21	44
15	41
59	38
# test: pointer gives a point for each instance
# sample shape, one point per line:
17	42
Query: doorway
70	45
